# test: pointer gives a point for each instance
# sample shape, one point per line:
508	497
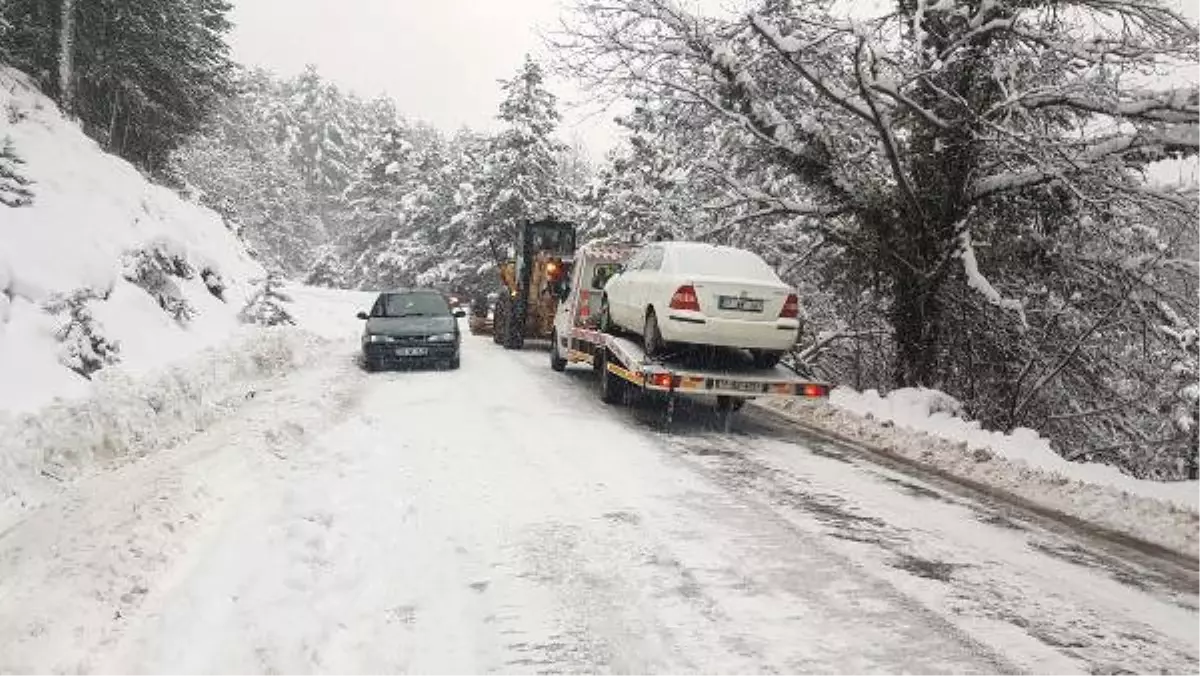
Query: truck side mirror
362	315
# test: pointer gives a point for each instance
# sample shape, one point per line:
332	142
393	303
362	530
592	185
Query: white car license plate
412	351
738	386
740	304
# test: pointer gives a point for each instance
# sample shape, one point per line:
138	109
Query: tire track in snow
959	571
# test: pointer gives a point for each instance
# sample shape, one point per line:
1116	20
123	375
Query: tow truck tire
730	404
766	359
556	362
612	388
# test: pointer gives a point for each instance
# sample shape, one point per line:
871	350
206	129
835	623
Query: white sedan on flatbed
703	294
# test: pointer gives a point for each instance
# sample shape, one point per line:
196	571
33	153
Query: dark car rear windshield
410	305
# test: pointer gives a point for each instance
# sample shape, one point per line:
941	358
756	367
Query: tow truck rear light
685	299
811	390
791	307
663	380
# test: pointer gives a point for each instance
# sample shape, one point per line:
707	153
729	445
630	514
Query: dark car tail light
791	307
685	299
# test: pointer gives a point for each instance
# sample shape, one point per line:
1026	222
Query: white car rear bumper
697	329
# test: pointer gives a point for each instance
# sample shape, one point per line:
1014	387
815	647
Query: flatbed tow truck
624	369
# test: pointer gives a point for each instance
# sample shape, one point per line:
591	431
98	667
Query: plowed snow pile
115	294
95	222
920	425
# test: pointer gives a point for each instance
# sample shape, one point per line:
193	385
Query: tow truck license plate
412	351
740	304
738	385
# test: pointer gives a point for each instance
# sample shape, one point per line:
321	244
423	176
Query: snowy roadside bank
126	416
1158	520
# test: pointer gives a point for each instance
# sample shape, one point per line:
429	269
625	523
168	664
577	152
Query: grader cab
533	281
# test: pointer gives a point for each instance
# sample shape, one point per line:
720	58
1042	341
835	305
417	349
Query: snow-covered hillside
145	266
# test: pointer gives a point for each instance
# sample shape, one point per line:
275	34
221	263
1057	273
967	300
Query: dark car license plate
412	351
740	304
738	385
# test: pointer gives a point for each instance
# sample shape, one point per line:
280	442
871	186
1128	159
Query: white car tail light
685	299
791	307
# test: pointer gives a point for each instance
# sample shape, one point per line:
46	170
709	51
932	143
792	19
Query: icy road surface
501	519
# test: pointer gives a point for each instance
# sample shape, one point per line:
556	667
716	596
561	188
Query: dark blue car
411	327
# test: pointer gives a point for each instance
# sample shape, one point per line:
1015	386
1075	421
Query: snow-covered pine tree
152	268
327	271
267	306
237	167
521	177
84	348
320	148
140	75
14	188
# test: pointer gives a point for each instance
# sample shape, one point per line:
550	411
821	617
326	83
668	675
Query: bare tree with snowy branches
984	159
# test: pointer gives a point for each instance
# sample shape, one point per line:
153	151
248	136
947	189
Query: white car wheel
651	337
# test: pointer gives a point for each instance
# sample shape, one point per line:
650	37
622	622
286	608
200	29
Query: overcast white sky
439	59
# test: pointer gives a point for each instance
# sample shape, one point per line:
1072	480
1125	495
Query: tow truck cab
595	263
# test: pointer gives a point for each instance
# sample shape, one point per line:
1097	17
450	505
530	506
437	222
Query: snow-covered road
500	519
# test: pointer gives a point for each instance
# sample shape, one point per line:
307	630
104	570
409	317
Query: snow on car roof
607	250
714	259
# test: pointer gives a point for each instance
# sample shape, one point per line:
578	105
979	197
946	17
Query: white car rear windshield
722	262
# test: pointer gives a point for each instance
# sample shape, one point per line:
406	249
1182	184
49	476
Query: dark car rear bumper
384	354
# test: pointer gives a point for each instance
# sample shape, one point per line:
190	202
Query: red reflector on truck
815	391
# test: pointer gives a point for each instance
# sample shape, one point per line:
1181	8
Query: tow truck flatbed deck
716	372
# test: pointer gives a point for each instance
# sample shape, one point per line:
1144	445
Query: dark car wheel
372	365
454	363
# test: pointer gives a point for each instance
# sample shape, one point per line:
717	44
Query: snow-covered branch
978	282
1174	106
1158	142
792	49
827	339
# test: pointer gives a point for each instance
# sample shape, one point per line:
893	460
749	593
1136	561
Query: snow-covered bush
327	271
213	281
266	306
152	268
85	349
14	188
